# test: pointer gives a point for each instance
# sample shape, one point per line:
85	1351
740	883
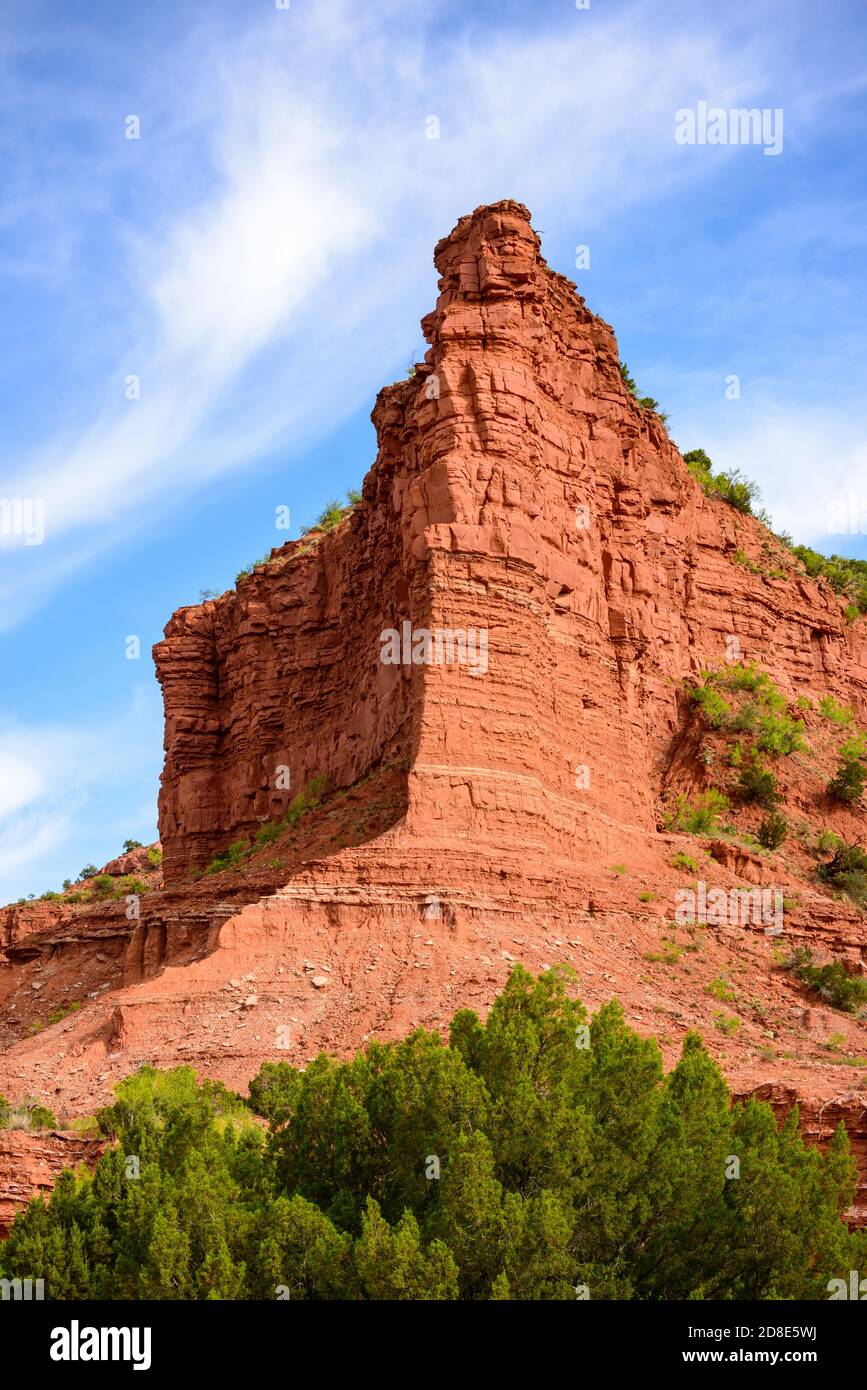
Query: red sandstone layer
472	818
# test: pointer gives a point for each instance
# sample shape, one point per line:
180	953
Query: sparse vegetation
847	871
746	719
248	569
647	402
721	990
847	577
130	884
780	735
333	513
670	954
684	861
714	706
757	783
304	802
628	380
838	714
698	817
746	676
56	1016
725	1024
847	784
330	516
831	982
762	716
740	557
228	858
28	1115
825	843
772	831
731	487
267	833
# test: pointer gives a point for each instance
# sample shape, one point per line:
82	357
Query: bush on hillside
731	487
757	783
772	831
698	817
847	784
715	708
846	870
831	982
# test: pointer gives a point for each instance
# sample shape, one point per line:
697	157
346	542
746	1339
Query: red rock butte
520	495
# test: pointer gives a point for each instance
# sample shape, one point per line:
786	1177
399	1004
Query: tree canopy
537	1155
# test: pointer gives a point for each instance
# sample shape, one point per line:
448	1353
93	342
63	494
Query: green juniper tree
531	1155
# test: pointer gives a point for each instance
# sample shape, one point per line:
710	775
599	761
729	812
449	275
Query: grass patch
727	1025
721	990
698	817
841	715
669	954
685	862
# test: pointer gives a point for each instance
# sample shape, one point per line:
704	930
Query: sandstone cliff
469	818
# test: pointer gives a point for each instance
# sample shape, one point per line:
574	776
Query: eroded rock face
819	1121
30	1163
520	491
475	808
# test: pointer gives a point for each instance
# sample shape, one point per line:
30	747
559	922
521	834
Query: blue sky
260	258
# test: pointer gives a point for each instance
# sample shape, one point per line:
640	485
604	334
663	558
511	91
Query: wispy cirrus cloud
275	262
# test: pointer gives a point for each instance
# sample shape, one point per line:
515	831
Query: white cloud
61	785
811	459
20	782
275	300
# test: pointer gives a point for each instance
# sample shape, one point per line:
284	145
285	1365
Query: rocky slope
510	806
